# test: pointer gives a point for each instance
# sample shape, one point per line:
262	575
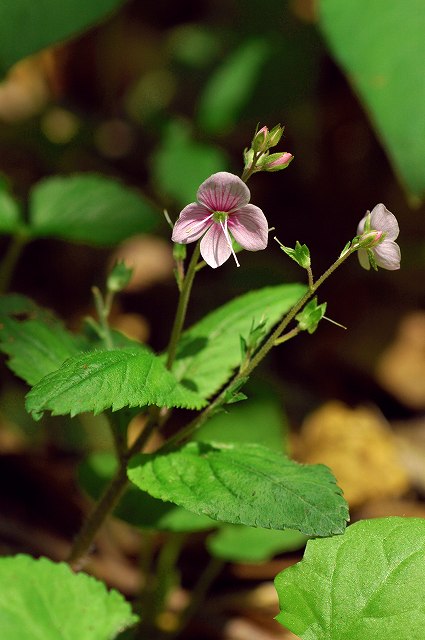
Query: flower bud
277	161
119	277
274	136
371	239
259	141
248	155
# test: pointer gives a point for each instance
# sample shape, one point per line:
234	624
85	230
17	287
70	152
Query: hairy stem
182	307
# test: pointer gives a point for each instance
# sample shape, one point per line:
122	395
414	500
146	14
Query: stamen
195	225
229	241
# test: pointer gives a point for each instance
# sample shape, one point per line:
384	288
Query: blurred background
160	95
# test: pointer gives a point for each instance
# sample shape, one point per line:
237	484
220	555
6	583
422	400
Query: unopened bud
371	239
259	141
119	277
248	155
275	136
277	161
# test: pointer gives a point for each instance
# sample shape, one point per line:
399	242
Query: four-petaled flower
383	252
222	206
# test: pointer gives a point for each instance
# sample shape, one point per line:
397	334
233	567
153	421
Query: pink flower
222	206
378	230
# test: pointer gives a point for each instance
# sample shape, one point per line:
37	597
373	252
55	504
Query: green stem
102	509
248	171
199	592
158	585
10	260
103	309
107	503
182	307
271	341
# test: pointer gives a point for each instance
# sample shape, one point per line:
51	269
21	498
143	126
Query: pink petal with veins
214	247
223	192
192	223
249	227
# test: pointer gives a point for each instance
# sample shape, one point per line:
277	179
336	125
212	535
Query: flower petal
388	255
214	247
192	223
223	192
362	223
383	220
249	227
363	259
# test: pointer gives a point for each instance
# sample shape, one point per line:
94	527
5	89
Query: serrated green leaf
209	351
113	379
181	163
43	23
388	78
138	507
244	484
236	543
88	208
231	86
10	214
44	599
36	347
368	583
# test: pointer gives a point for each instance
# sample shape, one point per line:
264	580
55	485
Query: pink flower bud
259	142
277	161
371	239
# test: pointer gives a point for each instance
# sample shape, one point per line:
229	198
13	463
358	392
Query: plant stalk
182	307
10	260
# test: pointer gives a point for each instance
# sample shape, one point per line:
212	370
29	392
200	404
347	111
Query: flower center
220	216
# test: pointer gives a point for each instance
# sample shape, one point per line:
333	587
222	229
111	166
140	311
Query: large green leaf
138	507
244	484
181	163
88	208
210	350
36	347
46	600
130	377
236	543
368	583
231	86
27	26
381	47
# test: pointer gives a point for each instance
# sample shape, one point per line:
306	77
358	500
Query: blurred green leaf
231	86
131	377
36	347
236	543
181	164
89	208
138	507
240	424
367	583
26	26
10	214
45	599
381	48
244	484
